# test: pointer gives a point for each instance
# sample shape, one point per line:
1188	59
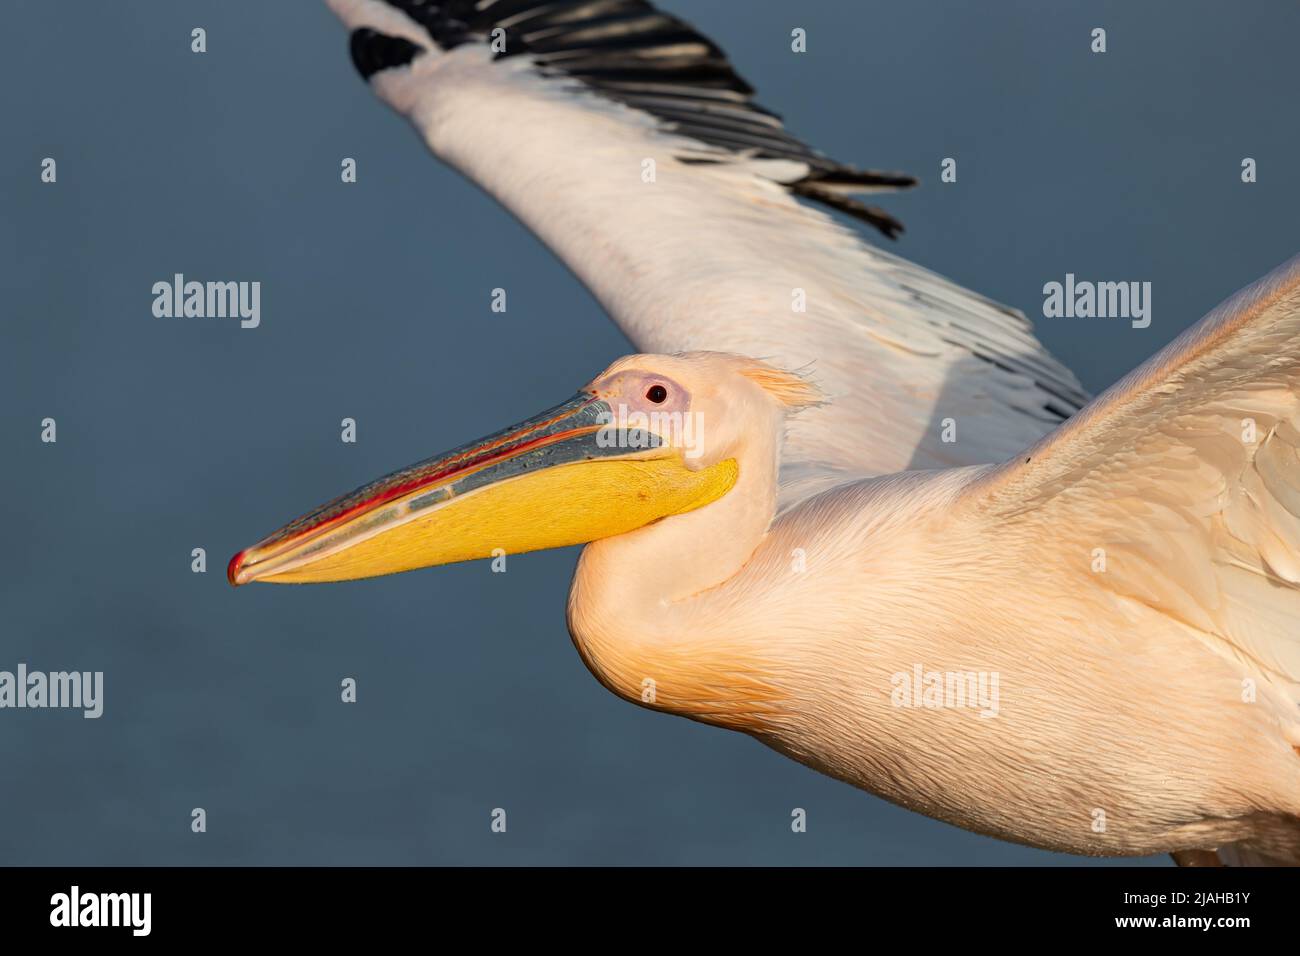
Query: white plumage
709	256
1130	578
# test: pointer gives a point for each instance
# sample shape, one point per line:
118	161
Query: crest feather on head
791	390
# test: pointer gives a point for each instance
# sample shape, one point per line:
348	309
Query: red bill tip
234	567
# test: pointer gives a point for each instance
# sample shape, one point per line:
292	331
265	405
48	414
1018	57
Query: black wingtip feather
630	52
890	227
373	51
848	177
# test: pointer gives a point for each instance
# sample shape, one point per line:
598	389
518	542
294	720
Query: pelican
1072	629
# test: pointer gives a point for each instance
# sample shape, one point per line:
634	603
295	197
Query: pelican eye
656	394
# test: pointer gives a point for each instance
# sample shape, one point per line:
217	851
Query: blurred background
177	434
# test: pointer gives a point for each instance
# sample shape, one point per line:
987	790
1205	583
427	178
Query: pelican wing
1186	476
627	142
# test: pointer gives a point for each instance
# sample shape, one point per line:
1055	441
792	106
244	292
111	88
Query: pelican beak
566	476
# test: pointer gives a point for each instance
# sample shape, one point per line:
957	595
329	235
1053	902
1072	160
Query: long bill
566	476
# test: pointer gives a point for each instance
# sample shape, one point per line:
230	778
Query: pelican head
651	437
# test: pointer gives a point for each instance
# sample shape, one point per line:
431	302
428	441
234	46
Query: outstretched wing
1187	474
625	140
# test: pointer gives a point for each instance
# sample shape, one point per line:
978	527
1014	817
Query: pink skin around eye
627	394
631	389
